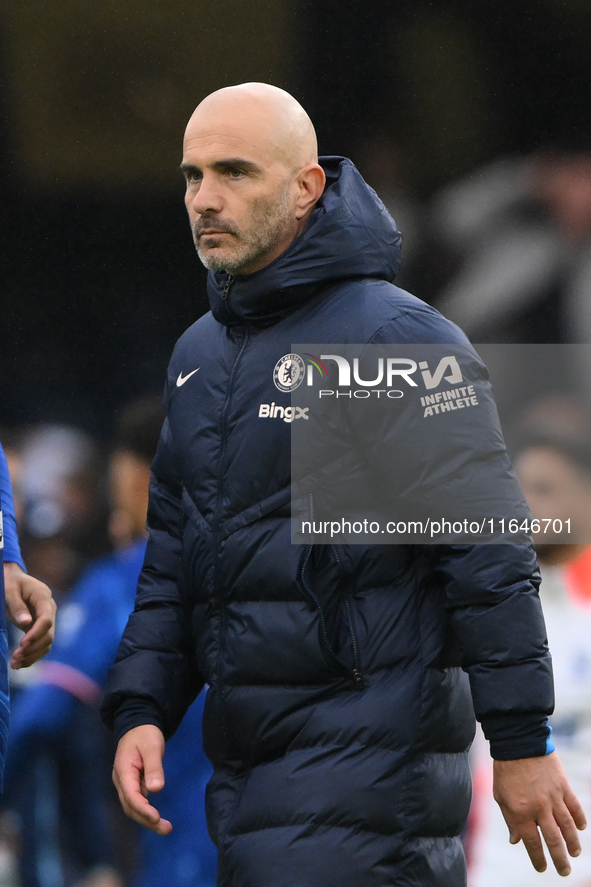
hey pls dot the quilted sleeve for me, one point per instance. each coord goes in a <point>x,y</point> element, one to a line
<point>492,597</point>
<point>431,460</point>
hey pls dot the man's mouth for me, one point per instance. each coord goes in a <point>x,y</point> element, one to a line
<point>208,228</point>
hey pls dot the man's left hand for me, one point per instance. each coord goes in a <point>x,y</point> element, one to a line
<point>29,606</point>
<point>534,796</point>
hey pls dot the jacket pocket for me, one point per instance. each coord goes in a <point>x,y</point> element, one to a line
<point>323,580</point>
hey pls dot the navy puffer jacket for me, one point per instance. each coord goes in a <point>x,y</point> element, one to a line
<point>340,711</point>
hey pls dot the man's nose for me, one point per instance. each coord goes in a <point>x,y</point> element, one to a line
<point>208,199</point>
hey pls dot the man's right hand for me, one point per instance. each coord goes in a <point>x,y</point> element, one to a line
<point>137,771</point>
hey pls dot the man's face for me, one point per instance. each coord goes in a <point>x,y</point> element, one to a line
<point>240,194</point>
<point>129,480</point>
<point>556,489</point>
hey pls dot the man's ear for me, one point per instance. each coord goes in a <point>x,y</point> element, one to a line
<point>311,181</point>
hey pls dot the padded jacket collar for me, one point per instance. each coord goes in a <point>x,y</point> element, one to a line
<point>350,234</point>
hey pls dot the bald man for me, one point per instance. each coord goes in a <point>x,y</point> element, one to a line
<point>338,716</point>
<point>242,228</point>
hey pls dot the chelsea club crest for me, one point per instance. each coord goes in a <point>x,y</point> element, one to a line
<point>289,372</point>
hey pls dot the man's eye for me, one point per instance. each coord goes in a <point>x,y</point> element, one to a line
<point>235,173</point>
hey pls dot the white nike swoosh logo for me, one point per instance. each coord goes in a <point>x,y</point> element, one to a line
<point>182,379</point>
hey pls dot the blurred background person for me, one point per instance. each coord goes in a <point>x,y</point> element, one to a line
<point>553,464</point>
<point>61,480</point>
<point>521,232</point>
<point>58,775</point>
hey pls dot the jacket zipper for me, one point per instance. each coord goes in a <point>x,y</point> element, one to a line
<point>223,613</point>
<point>309,590</point>
<point>227,286</point>
<point>316,602</point>
<point>358,679</point>
<point>223,418</point>
<point>356,672</point>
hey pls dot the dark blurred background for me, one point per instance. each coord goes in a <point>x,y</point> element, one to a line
<point>99,274</point>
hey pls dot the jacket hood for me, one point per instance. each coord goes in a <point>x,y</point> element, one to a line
<point>350,234</point>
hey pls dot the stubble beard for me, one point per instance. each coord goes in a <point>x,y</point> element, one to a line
<point>270,219</point>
